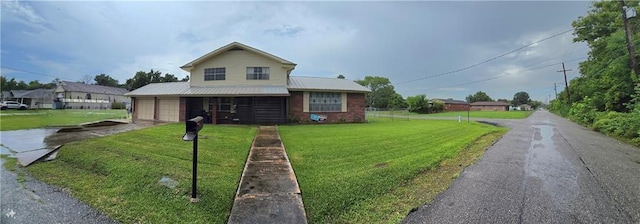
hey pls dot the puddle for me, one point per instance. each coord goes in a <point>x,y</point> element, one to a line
<point>25,140</point>
<point>559,176</point>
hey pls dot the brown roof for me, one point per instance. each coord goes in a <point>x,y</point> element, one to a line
<point>490,103</point>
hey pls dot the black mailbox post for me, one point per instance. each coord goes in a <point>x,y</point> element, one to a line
<point>193,126</point>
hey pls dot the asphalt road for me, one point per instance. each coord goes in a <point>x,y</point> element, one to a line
<point>25,200</point>
<point>544,170</point>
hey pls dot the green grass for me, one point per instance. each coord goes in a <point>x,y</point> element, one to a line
<point>26,119</point>
<point>472,114</point>
<point>119,174</point>
<point>344,168</point>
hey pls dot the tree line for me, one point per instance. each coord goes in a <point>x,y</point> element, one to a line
<point>140,79</point>
<point>383,95</point>
<point>606,95</point>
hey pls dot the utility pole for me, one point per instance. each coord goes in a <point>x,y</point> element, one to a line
<point>566,85</point>
<point>630,48</point>
<point>555,88</point>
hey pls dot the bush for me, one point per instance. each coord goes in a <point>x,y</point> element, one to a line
<point>625,125</point>
<point>118,105</point>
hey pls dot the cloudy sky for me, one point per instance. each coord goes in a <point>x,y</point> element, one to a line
<point>422,47</point>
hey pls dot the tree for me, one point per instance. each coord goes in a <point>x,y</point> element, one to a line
<point>86,79</point>
<point>418,104</point>
<point>381,93</point>
<point>141,79</point>
<point>341,76</point>
<point>105,80</point>
<point>35,84</point>
<point>521,98</point>
<point>169,78</point>
<point>504,100</point>
<point>437,106</point>
<point>397,101</point>
<point>186,78</point>
<point>479,96</point>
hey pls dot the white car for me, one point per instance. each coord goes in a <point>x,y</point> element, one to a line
<point>13,105</point>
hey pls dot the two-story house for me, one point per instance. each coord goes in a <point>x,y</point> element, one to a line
<point>240,84</point>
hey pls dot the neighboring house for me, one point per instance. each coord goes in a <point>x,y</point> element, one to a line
<point>525,107</point>
<point>76,95</point>
<point>240,84</point>
<point>455,105</point>
<point>37,98</point>
<point>490,106</point>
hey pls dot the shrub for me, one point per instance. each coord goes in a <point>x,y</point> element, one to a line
<point>118,105</point>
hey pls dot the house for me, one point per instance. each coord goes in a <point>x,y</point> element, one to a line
<point>525,107</point>
<point>36,98</point>
<point>490,106</point>
<point>455,105</point>
<point>241,84</point>
<point>77,95</point>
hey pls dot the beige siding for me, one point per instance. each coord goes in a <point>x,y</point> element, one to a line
<point>168,109</point>
<point>305,102</point>
<point>145,108</point>
<point>344,102</point>
<point>235,64</point>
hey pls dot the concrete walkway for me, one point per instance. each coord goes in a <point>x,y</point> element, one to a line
<point>268,191</point>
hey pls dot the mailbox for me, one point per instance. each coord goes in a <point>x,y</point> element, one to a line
<point>193,126</point>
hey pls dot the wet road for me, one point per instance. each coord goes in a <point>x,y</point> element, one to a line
<point>544,170</point>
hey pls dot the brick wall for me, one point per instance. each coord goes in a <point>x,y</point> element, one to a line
<point>456,107</point>
<point>355,109</point>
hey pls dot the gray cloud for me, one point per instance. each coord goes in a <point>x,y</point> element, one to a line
<point>400,40</point>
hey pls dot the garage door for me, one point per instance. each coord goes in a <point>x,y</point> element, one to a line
<point>168,109</point>
<point>145,108</point>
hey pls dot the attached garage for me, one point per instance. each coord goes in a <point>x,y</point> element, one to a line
<point>168,109</point>
<point>144,108</point>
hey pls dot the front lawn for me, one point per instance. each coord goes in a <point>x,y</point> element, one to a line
<point>348,173</point>
<point>119,174</point>
<point>455,114</point>
<point>485,114</point>
<point>340,167</point>
<point>26,119</point>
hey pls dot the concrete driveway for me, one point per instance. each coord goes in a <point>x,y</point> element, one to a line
<point>544,170</point>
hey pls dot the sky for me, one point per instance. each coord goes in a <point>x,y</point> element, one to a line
<point>436,48</point>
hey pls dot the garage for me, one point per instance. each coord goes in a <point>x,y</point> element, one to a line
<point>145,108</point>
<point>168,109</point>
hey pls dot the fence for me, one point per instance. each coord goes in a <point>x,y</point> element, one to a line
<point>389,113</point>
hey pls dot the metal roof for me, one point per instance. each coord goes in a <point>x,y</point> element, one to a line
<point>452,101</point>
<point>325,84</point>
<point>88,88</point>
<point>295,84</point>
<point>183,89</point>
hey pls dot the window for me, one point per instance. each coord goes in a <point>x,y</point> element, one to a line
<point>325,102</point>
<point>257,73</point>
<point>214,74</point>
<point>88,96</point>
<point>224,104</point>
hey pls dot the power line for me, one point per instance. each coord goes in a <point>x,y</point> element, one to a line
<point>21,70</point>
<point>488,60</point>
<point>502,76</point>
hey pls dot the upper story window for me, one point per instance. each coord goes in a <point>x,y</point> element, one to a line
<point>214,74</point>
<point>325,102</point>
<point>257,73</point>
